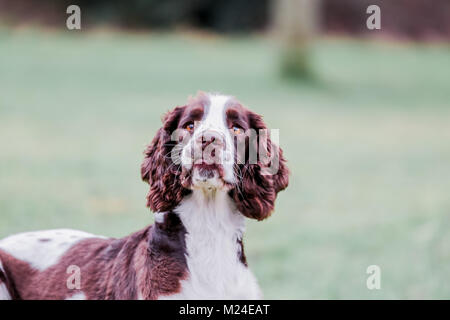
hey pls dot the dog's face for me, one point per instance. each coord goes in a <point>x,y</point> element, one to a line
<point>214,143</point>
<point>206,151</point>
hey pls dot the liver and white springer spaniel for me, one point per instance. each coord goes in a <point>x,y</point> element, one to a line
<point>210,165</point>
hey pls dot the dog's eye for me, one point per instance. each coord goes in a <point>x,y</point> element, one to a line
<point>189,127</point>
<point>237,130</point>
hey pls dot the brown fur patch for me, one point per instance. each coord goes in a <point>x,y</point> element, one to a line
<point>146,264</point>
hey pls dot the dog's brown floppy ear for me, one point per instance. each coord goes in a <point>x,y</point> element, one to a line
<point>256,193</point>
<point>166,190</point>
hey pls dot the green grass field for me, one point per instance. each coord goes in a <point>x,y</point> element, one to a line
<point>368,145</point>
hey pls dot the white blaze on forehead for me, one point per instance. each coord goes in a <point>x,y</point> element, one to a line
<point>214,119</point>
<point>215,113</point>
<point>42,249</point>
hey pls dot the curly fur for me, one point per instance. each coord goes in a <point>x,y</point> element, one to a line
<point>166,179</point>
<point>255,193</point>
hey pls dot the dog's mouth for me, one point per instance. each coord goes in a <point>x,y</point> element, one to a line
<point>208,171</point>
<point>207,177</point>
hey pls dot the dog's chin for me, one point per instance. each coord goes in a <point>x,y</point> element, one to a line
<point>209,177</point>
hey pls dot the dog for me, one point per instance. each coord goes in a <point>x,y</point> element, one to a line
<point>202,187</point>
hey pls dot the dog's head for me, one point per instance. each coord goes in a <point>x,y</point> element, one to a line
<point>214,143</point>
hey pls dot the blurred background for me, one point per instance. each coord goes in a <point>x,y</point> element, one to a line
<point>363,116</point>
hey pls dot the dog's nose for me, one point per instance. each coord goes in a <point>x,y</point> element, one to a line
<point>208,137</point>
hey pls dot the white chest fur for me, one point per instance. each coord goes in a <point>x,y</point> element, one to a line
<point>215,272</point>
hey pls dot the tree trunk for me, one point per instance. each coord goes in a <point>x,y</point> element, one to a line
<point>296,24</point>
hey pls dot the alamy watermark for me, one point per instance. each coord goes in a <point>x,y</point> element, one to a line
<point>73,281</point>
<point>73,21</point>
<point>373,281</point>
<point>373,22</point>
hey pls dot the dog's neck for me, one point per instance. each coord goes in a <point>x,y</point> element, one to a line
<point>211,213</point>
<point>213,253</point>
<point>213,241</point>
